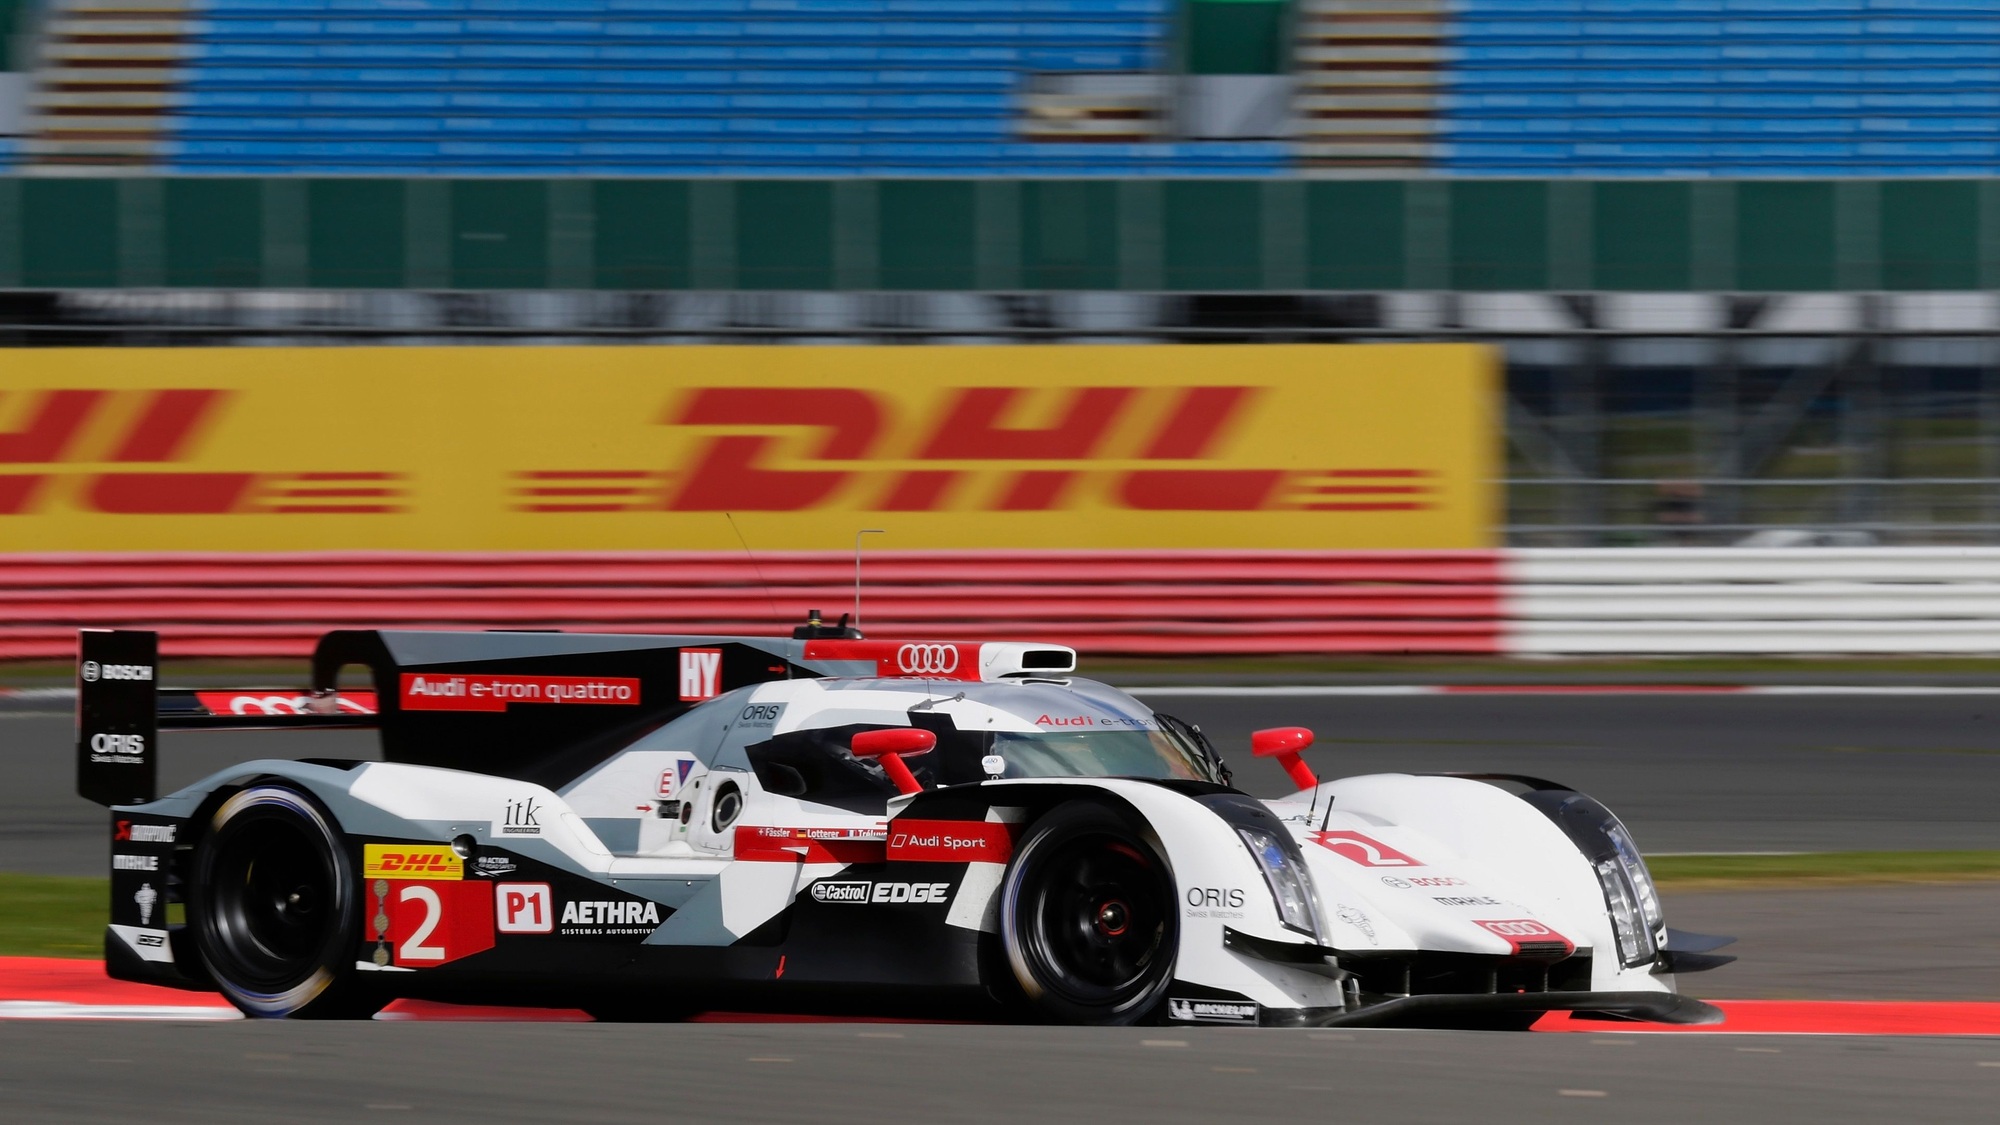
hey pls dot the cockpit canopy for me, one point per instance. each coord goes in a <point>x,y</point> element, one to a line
<point>795,735</point>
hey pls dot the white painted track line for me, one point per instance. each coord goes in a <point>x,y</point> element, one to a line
<point>60,1010</point>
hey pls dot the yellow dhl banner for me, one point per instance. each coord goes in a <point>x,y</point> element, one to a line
<point>647,448</point>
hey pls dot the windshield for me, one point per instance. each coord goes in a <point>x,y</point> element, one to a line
<point>1122,753</point>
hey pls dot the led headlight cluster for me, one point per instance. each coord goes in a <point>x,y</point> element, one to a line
<point>1290,887</point>
<point>1631,898</point>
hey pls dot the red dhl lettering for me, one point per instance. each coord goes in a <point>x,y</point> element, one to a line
<point>402,861</point>
<point>52,427</point>
<point>849,438</point>
<point>842,436</point>
<point>416,861</point>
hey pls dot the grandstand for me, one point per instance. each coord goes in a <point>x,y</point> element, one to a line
<point>664,87</point>
<point>1723,88</point>
<point>747,88</point>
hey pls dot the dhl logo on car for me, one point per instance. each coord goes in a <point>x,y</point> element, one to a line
<point>129,453</point>
<point>410,861</point>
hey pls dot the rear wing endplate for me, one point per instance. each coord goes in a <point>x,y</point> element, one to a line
<point>117,727</point>
<point>121,709</point>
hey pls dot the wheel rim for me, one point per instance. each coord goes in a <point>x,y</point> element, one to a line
<point>273,902</point>
<point>1097,920</point>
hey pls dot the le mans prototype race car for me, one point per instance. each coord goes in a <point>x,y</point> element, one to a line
<point>647,827</point>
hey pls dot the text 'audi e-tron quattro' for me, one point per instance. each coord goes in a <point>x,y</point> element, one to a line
<point>647,827</point>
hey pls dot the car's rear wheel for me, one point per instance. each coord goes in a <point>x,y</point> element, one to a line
<point>1088,918</point>
<point>275,908</point>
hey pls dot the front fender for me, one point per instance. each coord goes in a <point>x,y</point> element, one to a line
<point>1219,884</point>
<point>1460,839</point>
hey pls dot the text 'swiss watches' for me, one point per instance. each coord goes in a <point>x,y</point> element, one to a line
<point>651,826</point>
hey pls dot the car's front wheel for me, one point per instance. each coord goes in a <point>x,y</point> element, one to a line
<point>275,908</point>
<point>1088,918</point>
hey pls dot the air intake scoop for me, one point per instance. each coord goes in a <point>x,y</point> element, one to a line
<point>944,660</point>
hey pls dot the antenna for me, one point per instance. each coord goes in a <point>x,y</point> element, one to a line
<point>777,615</point>
<point>857,571</point>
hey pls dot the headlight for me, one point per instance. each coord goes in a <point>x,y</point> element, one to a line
<point>1642,879</point>
<point>1630,898</point>
<point>1290,888</point>
<point>1628,918</point>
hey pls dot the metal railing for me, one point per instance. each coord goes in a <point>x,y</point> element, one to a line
<point>1832,511</point>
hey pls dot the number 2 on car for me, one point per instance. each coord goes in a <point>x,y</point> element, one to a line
<point>432,922</point>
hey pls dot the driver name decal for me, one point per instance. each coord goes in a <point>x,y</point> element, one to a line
<point>762,843</point>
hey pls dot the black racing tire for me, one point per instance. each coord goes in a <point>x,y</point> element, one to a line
<point>1089,919</point>
<point>276,908</point>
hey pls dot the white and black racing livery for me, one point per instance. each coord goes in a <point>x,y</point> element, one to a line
<point>650,827</point>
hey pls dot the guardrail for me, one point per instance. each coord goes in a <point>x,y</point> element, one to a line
<point>1523,602</point>
<point>1714,512</point>
<point>1740,600</point>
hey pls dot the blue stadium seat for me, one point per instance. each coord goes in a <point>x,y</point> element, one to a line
<point>745,87</point>
<point>683,87</point>
<point>1723,87</point>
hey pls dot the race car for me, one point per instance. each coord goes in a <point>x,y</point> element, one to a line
<point>649,827</point>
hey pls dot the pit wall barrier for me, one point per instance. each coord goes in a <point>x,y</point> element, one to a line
<point>1511,602</point>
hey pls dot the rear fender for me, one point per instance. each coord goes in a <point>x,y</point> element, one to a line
<point>383,800</point>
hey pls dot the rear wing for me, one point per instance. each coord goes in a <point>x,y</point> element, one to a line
<point>121,710</point>
<point>540,707</point>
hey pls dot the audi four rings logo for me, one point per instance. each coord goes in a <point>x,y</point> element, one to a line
<point>1519,927</point>
<point>931,659</point>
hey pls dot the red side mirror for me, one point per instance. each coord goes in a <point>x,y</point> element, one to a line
<point>1284,744</point>
<point>889,746</point>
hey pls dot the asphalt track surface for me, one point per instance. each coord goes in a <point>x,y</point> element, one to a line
<point>1687,773</point>
<point>828,1074</point>
<point>1695,773</point>
<point>1905,942</point>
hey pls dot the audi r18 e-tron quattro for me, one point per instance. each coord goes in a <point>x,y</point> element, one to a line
<point>647,827</point>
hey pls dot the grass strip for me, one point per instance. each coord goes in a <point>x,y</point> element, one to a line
<point>1703,872</point>
<point>53,915</point>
